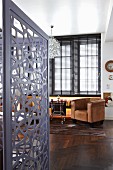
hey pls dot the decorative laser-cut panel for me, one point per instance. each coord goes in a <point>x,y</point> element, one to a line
<point>1,93</point>
<point>29,97</point>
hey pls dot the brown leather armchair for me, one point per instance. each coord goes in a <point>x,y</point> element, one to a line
<point>88,111</point>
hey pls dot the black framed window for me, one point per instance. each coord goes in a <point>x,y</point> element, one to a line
<point>77,70</point>
<point>89,66</point>
<point>62,70</point>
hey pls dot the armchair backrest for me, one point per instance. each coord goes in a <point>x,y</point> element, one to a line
<point>80,104</point>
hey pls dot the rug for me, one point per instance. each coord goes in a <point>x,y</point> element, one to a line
<point>69,128</point>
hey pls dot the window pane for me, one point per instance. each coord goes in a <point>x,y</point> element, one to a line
<point>57,62</point>
<point>83,85</point>
<point>65,62</point>
<point>66,85</point>
<point>57,85</point>
<point>82,49</point>
<point>57,74</point>
<point>83,73</point>
<point>88,85</point>
<point>67,50</point>
<point>92,85</point>
<point>94,49</point>
<point>92,73</point>
<point>83,61</point>
<point>65,74</point>
<point>63,51</point>
<point>89,49</point>
<point>92,61</point>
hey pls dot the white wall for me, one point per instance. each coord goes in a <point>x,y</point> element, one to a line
<point>106,84</point>
<point>106,54</point>
<point>109,23</point>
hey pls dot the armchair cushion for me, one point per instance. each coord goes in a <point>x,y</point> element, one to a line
<point>81,115</point>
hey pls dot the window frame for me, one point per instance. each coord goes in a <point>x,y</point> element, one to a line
<point>72,40</point>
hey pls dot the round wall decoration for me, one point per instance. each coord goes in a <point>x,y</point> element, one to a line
<point>109,66</point>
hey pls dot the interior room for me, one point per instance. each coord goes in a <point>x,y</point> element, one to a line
<point>72,18</point>
<point>56,107</point>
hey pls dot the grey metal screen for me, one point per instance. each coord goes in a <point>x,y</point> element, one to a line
<point>1,95</point>
<point>28,93</point>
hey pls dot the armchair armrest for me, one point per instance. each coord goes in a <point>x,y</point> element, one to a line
<point>96,110</point>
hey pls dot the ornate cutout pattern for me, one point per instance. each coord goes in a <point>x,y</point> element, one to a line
<point>1,94</point>
<point>29,97</point>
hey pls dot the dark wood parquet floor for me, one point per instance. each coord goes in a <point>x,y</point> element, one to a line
<point>69,152</point>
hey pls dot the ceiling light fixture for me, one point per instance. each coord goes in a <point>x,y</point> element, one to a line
<point>54,46</point>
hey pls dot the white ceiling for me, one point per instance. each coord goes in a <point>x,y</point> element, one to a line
<point>69,17</point>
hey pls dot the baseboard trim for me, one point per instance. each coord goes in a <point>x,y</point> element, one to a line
<point>108,118</point>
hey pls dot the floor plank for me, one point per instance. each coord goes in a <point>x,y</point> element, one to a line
<point>71,152</point>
